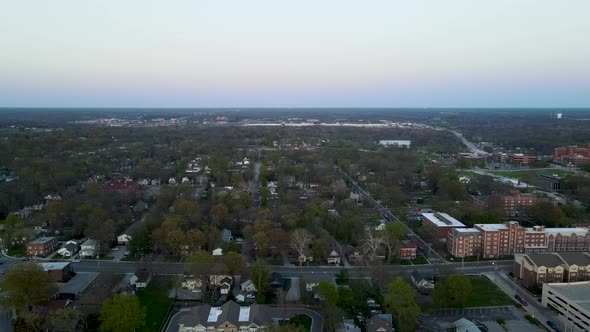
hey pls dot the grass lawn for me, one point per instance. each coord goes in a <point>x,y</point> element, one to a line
<point>155,299</point>
<point>486,294</point>
<point>419,260</point>
<point>17,252</point>
<point>301,320</point>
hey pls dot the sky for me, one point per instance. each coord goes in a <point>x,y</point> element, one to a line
<point>297,53</point>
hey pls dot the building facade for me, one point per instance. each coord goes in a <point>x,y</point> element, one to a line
<point>536,268</point>
<point>572,155</point>
<point>42,246</point>
<point>408,250</point>
<point>513,205</point>
<point>507,239</point>
<point>571,301</point>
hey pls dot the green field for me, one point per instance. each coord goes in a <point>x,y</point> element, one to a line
<point>301,320</point>
<point>486,294</point>
<point>155,299</point>
<point>419,260</point>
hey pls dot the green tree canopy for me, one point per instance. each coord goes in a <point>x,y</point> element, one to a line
<point>453,292</point>
<point>401,300</point>
<point>27,285</point>
<point>234,263</point>
<point>328,292</point>
<point>122,313</point>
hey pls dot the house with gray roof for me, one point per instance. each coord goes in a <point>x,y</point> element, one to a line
<point>229,317</point>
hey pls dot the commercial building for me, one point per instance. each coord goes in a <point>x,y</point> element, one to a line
<point>572,301</point>
<point>497,240</point>
<point>42,246</point>
<point>230,317</point>
<point>572,155</point>
<point>57,270</point>
<point>440,224</point>
<point>396,142</point>
<point>536,268</point>
<point>519,158</point>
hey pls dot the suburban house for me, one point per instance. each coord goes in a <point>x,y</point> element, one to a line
<point>312,281</point>
<point>380,323</point>
<point>217,252</point>
<point>141,279</point>
<point>421,282</point>
<point>226,235</point>
<point>69,249</point>
<point>334,258</point>
<point>348,325</point>
<point>248,286</point>
<point>191,282</point>
<point>355,257</point>
<point>225,286</point>
<point>229,317</point>
<point>276,280</point>
<point>89,248</point>
<point>128,233</point>
<point>42,246</point>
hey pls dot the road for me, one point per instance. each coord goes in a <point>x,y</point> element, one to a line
<point>534,307</point>
<point>470,146</point>
<point>294,271</point>
<point>390,217</point>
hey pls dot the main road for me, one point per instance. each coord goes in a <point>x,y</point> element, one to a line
<point>294,271</point>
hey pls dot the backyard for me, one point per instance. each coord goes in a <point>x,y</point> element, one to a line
<point>155,299</point>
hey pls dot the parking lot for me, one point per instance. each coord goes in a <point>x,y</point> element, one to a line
<point>507,313</point>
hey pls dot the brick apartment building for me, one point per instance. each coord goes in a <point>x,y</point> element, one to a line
<point>440,224</point>
<point>42,246</point>
<point>497,240</point>
<point>572,155</point>
<point>513,204</point>
<point>519,158</point>
<point>536,268</point>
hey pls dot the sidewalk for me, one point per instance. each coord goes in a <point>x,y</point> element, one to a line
<point>534,307</point>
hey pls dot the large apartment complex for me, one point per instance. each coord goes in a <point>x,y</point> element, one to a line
<point>514,204</point>
<point>572,155</point>
<point>440,224</point>
<point>496,240</point>
<point>536,269</point>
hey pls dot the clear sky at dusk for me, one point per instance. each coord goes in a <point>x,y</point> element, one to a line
<point>277,53</point>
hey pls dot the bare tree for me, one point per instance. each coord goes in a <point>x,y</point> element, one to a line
<point>373,243</point>
<point>300,240</point>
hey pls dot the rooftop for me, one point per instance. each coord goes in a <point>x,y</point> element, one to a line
<point>568,231</point>
<point>547,260</point>
<point>42,240</point>
<point>466,230</point>
<point>54,265</point>
<point>577,292</point>
<point>491,227</point>
<point>442,220</point>
<point>577,258</point>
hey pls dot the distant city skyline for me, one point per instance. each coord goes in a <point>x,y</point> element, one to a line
<point>279,53</point>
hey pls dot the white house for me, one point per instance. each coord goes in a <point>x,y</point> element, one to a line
<point>334,258</point>
<point>225,286</point>
<point>140,279</point>
<point>69,249</point>
<point>89,248</point>
<point>248,286</point>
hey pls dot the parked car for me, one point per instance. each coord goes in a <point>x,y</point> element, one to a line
<point>26,259</point>
<point>552,325</point>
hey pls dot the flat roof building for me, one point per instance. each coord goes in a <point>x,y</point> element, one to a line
<point>439,224</point>
<point>572,301</point>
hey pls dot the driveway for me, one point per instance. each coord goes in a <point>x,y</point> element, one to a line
<point>118,253</point>
<point>294,293</point>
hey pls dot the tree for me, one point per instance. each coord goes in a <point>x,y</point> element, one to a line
<point>300,240</point>
<point>200,264</point>
<point>122,313</point>
<point>328,292</point>
<point>401,300</point>
<point>65,317</point>
<point>141,243</point>
<point>260,275</point>
<point>27,285</point>
<point>218,214</point>
<point>373,243</point>
<point>56,212</point>
<point>453,292</point>
<point>343,276</point>
<point>394,232</point>
<point>195,239</point>
<point>547,214</point>
<point>234,263</point>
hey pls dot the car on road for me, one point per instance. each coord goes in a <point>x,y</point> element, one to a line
<point>26,259</point>
<point>115,249</point>
<point>553,325</point>
<point>520,299</point>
